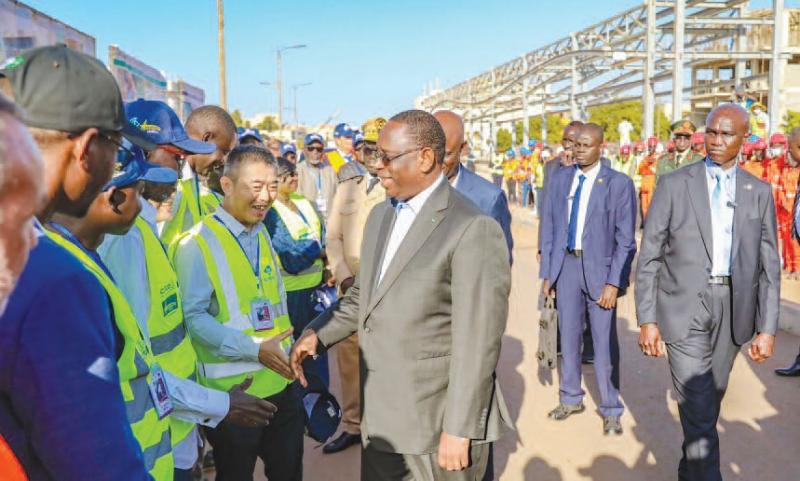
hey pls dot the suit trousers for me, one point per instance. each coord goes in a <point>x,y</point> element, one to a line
<point>279,445</point>
<point>384,466</point>
<point>347,355</point>
<point>700,365</point>
<point>574,305</point>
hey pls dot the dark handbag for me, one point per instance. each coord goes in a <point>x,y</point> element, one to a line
<point>548,332</point>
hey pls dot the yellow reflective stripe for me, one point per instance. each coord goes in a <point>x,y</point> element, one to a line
<point>237,320</point>
<point>225,369</point>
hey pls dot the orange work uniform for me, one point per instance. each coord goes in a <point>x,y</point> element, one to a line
<point>791,247</point>
<point>647,170</point>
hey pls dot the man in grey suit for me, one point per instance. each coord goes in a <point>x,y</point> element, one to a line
<point>429,305</point>
<point>708,279</point>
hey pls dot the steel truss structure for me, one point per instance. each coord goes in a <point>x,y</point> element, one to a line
<point>632,55</point>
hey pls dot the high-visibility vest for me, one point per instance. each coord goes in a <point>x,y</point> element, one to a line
<point>196,201</point>
<point>170,343</point>
<point>235,287</point>
<point>300,228</point>
<point>336,160</point>
<point>496,167</point>
<point>134,365</point>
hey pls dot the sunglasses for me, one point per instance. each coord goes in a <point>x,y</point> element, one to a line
<point>314,149</point>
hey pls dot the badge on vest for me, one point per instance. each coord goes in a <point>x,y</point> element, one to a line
<point>170,304</point>
<point>160,393</point>
<point>261,315</point>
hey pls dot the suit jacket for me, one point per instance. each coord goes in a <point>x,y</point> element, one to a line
<point>346,220</point>
<point>676,252</point>
<point>608,233</point>
<point>489,198</point>
<point>430,332</point>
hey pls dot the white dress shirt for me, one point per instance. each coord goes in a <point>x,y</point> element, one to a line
<point>721,222</point>
<point>586,191</point>
<point>125,258</point>
<point>406,213</point>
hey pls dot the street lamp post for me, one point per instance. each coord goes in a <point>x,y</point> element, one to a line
<point>294,94</point>
<point>279,78</point>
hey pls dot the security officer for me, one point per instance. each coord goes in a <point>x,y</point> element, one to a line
<point>343,154</point>
<point>233,294</point>
<point>143,382</point>
<point>139,264</point>
<point>358,192</point>
<point>199,192</point>
<point>682,132</point>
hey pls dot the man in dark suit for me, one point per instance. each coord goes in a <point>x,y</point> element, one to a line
<point>708,279</point>
<point>429,305</point>
<point>588,245</point>
<point>488,197</point>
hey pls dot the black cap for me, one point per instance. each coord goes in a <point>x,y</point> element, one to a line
<point>61,89</point>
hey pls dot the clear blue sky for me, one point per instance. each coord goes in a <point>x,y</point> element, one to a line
<point>365,58</point>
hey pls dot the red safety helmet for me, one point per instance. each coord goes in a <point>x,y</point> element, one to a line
<point>638,146</point>
<point>779,138</point>
<point>747,149</point>
<point>652,141</point>
<point>671,146</point>
<point>625,149</point>
<point>698,138</point>
<point>760,145</point>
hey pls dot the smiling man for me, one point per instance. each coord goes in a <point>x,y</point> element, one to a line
<point>710,233</point>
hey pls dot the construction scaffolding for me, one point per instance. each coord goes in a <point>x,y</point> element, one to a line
<point>660,49</point>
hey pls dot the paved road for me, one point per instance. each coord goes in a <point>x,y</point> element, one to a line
<point>760,424</point>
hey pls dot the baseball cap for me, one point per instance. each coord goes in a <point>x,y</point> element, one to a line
<point>61,89</point>
<point>314,137</point>
<point>532,143</point>
<point>510,153</point>
<point>132,166</point>
<point>161,125</point>
<point>342,130</point>
<point>358,138</point>
<point>286,148</point>
<point>242,133</point>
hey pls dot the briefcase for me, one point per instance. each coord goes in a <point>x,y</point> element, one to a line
<point>548,332</point>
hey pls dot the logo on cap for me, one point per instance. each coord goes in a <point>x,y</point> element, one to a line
<point>144,126</point>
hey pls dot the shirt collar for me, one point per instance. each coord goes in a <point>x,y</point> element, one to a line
<point>592,173</point>
<point>714,170</point>
<point>149,213</point>
<point>234,225</point>
<point>416,202</point>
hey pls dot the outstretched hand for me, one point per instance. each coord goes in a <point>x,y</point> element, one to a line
<point>302,348</point>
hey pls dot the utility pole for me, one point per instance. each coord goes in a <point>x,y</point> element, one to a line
<point>777,64</point>
<point>279,79</point>
<point>649,68</point>
<point>677,64</point>
<point>223,91</point>
<point>294,92</point>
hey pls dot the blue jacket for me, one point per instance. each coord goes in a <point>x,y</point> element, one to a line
<point>608,235</point>
<point>61,408</point>
<point>490,199</point>
<point>295,255</point>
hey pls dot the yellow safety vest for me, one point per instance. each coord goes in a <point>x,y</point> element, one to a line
<point>170,343</point>
<point>235,287</point>
<point>301,229</point>
<point>196,201</point>
<point>134,365</point>
<point>336,160</point>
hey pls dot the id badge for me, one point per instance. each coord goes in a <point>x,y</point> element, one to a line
<point>260,315</point>
<point>322,204</point>
<point>160,393</point>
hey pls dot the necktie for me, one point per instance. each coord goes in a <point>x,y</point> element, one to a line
<point>573,214</point>
<point>373,181</point>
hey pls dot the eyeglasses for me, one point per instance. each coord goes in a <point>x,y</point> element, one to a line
<point>370,152</point>
<point>124,154</point>
<point>314,149</point>
<point>180,155</point>
<point>386,160</point>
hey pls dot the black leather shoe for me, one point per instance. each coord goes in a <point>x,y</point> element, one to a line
<point>344,441</point>
<point>791,371</point>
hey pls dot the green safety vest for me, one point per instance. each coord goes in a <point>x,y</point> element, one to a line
<point>196,201</point>
<point>235,287</point>
<point>496,166</point>
<point>134,367</point>
<point>170,343</point>
<point>301,229</point>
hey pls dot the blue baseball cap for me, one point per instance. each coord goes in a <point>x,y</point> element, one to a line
<point>311,138</point>
<point>132,166</point>
<point>358,138</point>
<point>242,132</point>
<point>286,148</point>
<point>342,130</point>
<point>162,126</point>
<point>532,143</point>
<point>525,151</point>
<point>510,153</point>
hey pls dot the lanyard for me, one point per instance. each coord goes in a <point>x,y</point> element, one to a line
<point>197,195</point>
<point>66,234</point>
<point>319,182</point>
<point>257,268</point>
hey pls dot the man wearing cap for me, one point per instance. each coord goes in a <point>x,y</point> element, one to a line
<point>343,136</point>
<point>624,161</point>
<point>682,132</point>
<point>316,180</point>
<point>759,120</point>
<point>359,190</point>
<point>47,401</point>
<point>510,167</point>
<point>250,137</point>
<point>199,192</point>
<point>234,305</point>
<point>141,270</point>
<point>289,152</point>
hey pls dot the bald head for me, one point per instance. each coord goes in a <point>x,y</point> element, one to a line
<point>588,145</point>
<point>453,127</point>
<point>727,126</point>
<point>212,124</point>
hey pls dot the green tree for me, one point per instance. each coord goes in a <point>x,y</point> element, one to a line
<point>519,133</point>
<point>791,121</point>
<point>268,123</point>
<point>237,118</point>
<point>503,140</point>
<point>555,127</point>
<point>609,116</point>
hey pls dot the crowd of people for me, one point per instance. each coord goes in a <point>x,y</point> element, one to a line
<point>171,288</point>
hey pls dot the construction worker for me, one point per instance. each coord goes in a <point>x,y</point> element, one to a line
<point>647,170</point>
<point>788,200</point>
<point>699,144</point>
<point>776,155</point>
<point>138,259</point>
<point>235,309</point>
<point>510,167</point>
<point>756,161</point>
<point>624,161</point>
<point>521,175</point>
<point>759,120</point>
<point>142,379</point>
<point>682,132</point>
<point>496,168</point>
<point>343,153</point>
<point>199,192</point>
